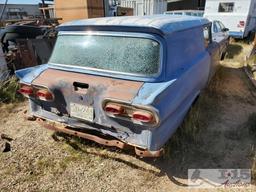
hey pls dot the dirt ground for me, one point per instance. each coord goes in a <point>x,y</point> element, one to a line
<point>40,160</point>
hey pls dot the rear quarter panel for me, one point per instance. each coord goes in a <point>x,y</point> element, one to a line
<point>185,79</point>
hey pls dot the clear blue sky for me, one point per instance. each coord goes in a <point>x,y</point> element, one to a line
<point>21,1</point>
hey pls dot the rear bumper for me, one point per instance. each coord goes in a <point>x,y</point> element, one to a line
<point>100,140</point>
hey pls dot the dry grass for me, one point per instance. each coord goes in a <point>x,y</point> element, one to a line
<point>197,119</point>
<point>254,170</point>
<point>251,61</point>
<point>237,53</point>
<point>8,91</point>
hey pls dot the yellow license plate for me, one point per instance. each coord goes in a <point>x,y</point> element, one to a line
<point>81,111</point>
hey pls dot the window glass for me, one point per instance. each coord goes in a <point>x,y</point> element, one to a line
<point>216,27</point>
<point>221,25</point>
<point>226,7</point>
<point>112,53</point>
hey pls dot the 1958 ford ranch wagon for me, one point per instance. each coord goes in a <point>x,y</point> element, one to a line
<point>132,79</point>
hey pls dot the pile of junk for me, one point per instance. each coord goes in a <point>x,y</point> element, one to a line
<point>28,43</point>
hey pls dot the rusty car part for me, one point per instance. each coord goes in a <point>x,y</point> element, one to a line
<point>111,143</point>
<point>146,153</point>
<point>34,51</point>
<point>26,46</point>
<point>64,129</point>
<point>116,88</point>
<point>29,53</point>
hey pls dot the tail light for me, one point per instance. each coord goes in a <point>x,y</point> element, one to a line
<point>142,116</point>
<point>26,90</point>
<point>39,93</point>
<point>114,109</point>
<point>241,24</point>
<point>135,114</point>
<point>44,95</point>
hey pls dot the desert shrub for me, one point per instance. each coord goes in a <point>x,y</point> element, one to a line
<point>8,91</point>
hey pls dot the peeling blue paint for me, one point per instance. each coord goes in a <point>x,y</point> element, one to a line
<point>149,91</point>
<point>29,74</point>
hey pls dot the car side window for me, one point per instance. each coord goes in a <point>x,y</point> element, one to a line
<point>207,35</point>
<point>221,25</point>
<point>216,27</point>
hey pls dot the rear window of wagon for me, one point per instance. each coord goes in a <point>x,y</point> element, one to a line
<point>124,54</point>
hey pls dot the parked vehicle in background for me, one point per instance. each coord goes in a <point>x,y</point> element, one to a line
<point>27,44</point>
<point>131,78</point>
<point>196,13</point>
<point>220,34</point>
<point>239,16</point>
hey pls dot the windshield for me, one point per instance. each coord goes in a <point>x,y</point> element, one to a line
<point>113,53</point>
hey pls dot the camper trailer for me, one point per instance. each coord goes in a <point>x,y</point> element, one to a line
<point>239,16</point>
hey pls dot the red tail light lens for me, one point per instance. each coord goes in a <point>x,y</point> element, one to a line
<point>26,90</point>
<point>134,114</point>
<point>142,116</point>
<point>44,95</point>
<point>241,23</point>
<point>114,109</point>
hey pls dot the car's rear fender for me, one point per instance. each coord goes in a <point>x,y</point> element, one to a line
<point>174,98</point>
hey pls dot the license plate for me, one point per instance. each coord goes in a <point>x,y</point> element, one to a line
<point>81,111</point>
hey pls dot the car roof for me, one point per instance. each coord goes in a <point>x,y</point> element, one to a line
<point>163,23</point>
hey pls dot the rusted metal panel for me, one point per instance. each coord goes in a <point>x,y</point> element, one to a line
<point>25,54</point>
<point>63,129</point>
<point>112,88</point>
<point>98,139</point>
<point>33,52</point>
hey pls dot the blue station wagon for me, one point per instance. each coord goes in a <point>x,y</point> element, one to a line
<point>122,81</point>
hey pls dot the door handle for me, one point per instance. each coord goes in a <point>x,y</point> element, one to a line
<point>79,85</point>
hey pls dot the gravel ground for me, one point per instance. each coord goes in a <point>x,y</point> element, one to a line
<point>40,160</point>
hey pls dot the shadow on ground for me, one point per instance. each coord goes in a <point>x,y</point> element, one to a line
<point>217,138</point>
<point>233,50</point>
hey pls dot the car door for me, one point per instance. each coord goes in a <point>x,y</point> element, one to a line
<point>225,36</point>
<point>220,36</point>
<point>212,47</point>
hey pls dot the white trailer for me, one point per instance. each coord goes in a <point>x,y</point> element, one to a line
<point>239,16</point>
<point>145,7</point>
